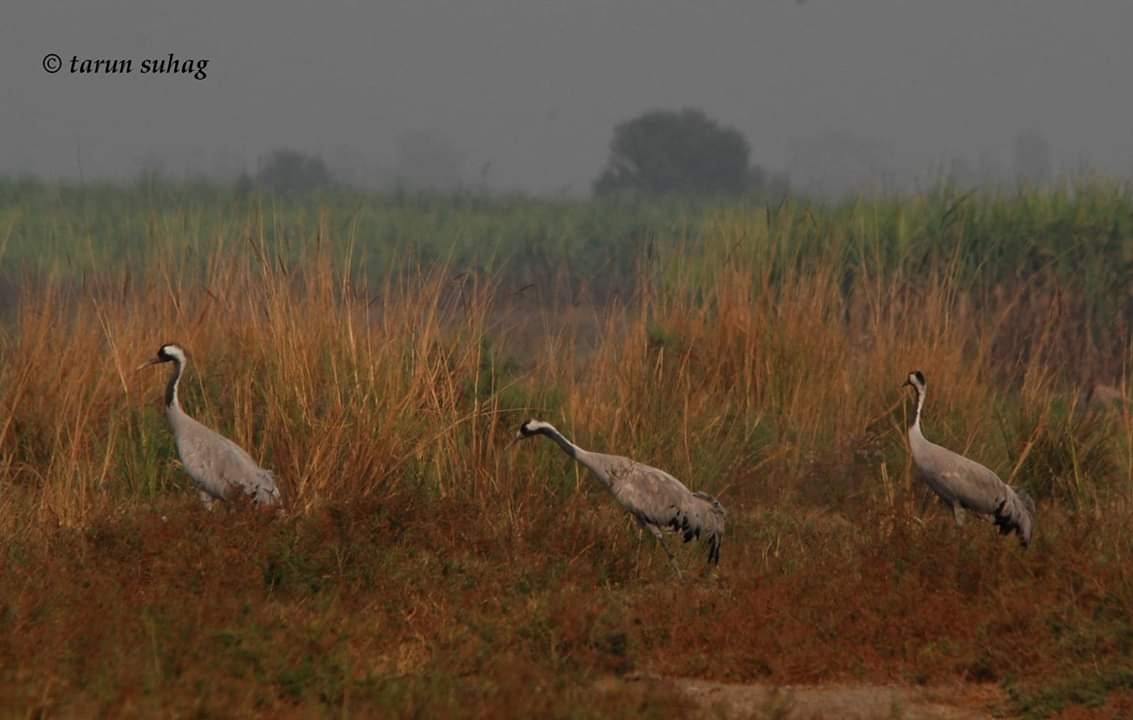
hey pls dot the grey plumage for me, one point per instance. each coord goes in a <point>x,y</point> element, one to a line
<point>656,499</point>
<point>965,484</point>
<point>216,464</point>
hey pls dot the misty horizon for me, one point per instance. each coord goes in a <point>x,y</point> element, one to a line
<point>524,96</point>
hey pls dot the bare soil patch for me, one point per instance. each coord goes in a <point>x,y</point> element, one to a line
<point>836,701</point>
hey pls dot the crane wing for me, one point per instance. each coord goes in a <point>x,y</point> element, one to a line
<point>978,488</point>
<point>217,464</point>
<point>656,498</point>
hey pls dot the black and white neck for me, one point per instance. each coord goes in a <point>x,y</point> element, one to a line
<point>538,427</point>
<point>589,460</point>
<point>917,380</point>
<point>174,354</point>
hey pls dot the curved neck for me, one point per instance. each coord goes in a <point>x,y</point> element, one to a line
<point>171,400</point>
<point>583,457</point>
<point>920,404</point>
<point>568,447</point>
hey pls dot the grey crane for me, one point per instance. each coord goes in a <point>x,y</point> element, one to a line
<point>216,464</point>
<point>965,484</point>
<point>656,499</point>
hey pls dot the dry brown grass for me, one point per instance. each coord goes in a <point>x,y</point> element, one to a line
<point>421,569</point>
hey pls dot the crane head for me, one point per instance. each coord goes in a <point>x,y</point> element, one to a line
<point>527,429</point>
<point>916,380</point>
<point>531,428</point>
<point>170,352</point>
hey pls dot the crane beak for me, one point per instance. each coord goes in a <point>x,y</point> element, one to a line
<point>146,364</point>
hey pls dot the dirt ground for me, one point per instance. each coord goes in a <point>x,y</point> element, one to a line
<point>835,702</point>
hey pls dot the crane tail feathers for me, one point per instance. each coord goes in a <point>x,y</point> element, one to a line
<point>1016,513</point>
<point>710,517</point>
<point>693,516</point>
<point>714,549</point>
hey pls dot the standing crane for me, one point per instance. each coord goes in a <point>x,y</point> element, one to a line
<point>216,464</point>
<point>654,498</point>
<point>965,484</point>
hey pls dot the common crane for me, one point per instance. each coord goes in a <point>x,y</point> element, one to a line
<point>965,484</point>
<point>215,463</point>
<point>656,499</point>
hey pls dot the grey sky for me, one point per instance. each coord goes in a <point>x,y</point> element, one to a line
<point>535,86</point>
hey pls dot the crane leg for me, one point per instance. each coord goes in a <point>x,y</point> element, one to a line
<point>637,555</point>
<point>661,541</point>
<point>958,513</point>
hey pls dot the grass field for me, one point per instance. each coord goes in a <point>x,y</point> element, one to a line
<point>379,355</point>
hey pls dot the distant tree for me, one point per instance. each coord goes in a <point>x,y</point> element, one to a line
<point>243,185</point>
<point>290,172</point>
<point>664,152</point>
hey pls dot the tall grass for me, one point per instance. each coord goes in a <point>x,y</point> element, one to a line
<point>423,566</point>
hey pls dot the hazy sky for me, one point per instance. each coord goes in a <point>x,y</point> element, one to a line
<point>535,86</point>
